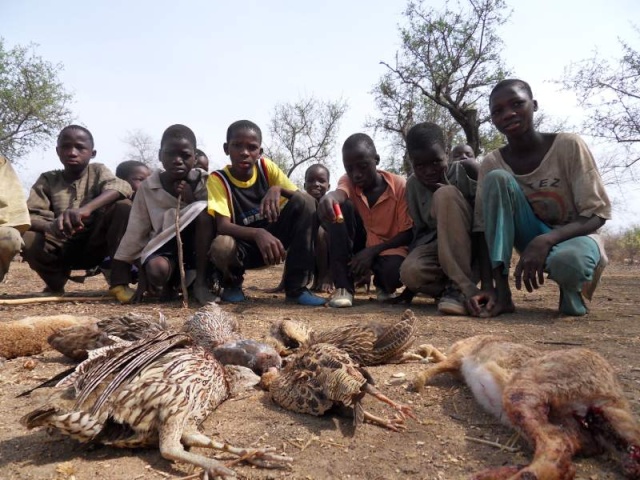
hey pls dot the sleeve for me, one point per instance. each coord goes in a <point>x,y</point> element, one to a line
<point>589,195</point>
<point>405,222</point>
<point>277,177</point>
<point>138,231</point>
<point>108,181</point>
<point>39,201</point>
<point>218,196</point>
<point>345,184</point>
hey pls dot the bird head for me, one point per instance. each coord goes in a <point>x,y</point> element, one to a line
<point>211,326</point>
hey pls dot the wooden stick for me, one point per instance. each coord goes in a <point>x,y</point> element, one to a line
<point>25,301</point>
<point>183,280</point>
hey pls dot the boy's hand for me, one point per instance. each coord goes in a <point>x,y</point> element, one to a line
<point>270,205</point>
<point>326,213</point>
<point>362,261</point>
<point>271,248</point>
<point>482,303</point>
<point>69,222</point>
<point>182,187</point>
<point>530,268</point>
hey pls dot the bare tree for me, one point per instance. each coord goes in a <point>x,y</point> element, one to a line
<point>610,92</point>
<point>453,59</point>
<point>401,106</point>
<point>304,131</point>
<point>34,105</point>
<point>141,147</point>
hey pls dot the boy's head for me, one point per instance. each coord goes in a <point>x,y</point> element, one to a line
<point>75,148</point>
<point>243,145</point>
<point>462,152</point>
<point>360,160</point>
<point>511,105</point>
<point>177,151</point>
<point>427,153</point>
<point>316,180</point>
<point>202,161</point>
<point>133,172</point>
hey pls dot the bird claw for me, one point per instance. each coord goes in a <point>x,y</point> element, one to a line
<point>405,411</point>
<point>396,424</point>
<point>263,458</point>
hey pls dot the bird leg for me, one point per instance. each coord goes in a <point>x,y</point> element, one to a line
<point>260,457</point>
<point>403,410</point>
<point>396,423</point>
<point>442,365</point>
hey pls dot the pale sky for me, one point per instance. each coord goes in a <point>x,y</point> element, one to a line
<point>149,64</point>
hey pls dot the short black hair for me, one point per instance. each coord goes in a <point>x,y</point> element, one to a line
<point>178,131</point>
<point>508,82</point>
<point>76,127</point>
<point>357,139</point>
<point>200,153</point>
<point>124,169</point>
<point>243,125</point>
<point>425,134</point>
<point>317,166</point>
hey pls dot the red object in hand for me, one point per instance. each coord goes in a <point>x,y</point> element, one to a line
<point>338,212</point>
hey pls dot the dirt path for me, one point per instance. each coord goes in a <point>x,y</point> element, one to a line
<point>435,448</point>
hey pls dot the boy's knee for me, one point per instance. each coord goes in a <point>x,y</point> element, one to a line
<point>10,240</point>
<point>223,249</point>
<point>302,202</point>
<point>33,243</point>
<point>410,275</point>
<point>498,177</point>
<point>571,265</point>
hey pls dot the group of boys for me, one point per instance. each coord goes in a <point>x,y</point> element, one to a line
<point>415,232</point>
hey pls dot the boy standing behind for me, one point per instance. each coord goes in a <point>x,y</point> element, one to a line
<point>377,227</point>
<point>78,214</point>
<point>440,197</point>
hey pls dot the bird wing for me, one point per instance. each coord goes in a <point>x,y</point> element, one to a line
<point>356,340</point>
<point>126,362</point>
<point>134,326</point>
<point>395,339</point>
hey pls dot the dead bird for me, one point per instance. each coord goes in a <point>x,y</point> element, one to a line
<point>154,391</point>
<point>366,343</point>
<point>320,377</point>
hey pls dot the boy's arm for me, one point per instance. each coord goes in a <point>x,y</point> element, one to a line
<point>363,260</point>
<point>39,205</point>
<point>471,167</point>
<point>326,213</point>
<point>72,219</point>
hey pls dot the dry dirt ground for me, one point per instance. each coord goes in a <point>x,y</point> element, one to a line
<point>436,447</point>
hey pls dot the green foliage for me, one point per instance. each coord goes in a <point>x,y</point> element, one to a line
<point>624,246</point>
<point>33,102</point>
<point>451,59</point>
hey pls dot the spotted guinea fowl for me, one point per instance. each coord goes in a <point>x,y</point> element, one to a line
<point>563,402</point>
<point>320,377</point>
<point>366,343</point>
<point>154,391</point>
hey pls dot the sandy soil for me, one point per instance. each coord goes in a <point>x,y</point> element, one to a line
<point>436,447</point>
